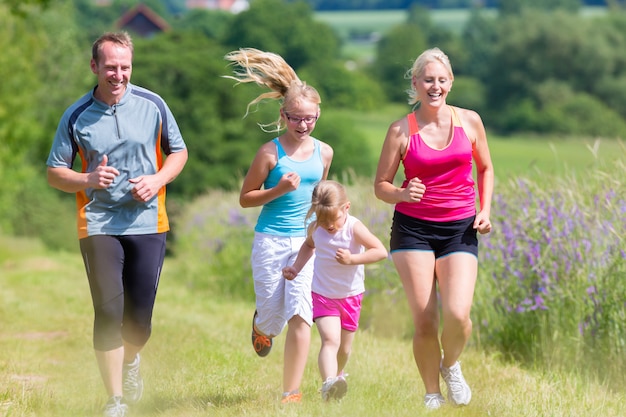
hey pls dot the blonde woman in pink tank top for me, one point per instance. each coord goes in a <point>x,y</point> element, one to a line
<point>434,244</point>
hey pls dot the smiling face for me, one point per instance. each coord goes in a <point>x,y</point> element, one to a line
<point>433,84</point>
<point>113,69</point>
<point>300,117</point>
<point>431,66</point>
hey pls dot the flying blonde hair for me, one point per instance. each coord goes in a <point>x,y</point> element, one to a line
<point>270,70</point>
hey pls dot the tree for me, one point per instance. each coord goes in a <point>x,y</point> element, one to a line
<point>213,24</point>
<point>515,7</point>
<point>23,7</point>
<point>478,38</point>
<point>41,74</point>
<point>612,88</point>
<point>352,154</point>
<point>340,87</point>
<point>186,69</point>
<point>540,50</point>
<point>393,59</point>
<point>288,30</point>
<point>538,46</point>
<point>398,49</point>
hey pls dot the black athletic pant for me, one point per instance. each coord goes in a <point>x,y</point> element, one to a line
<point>123,273</point>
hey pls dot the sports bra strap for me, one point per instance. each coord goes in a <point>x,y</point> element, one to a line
<point>455,117</point>
<point>413,126</point>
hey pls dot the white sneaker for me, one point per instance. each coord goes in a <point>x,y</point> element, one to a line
<point>433,401</point>
<point>459,393</point>
<point>334,388</point>
<point>115,408</point>
<point>132,381</point>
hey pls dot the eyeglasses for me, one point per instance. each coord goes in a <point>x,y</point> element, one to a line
<point>297,120</point>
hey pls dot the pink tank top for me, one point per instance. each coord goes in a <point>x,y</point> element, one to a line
<point>446,173</point>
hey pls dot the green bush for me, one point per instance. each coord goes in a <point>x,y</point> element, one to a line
<point>214,235</point>
<point>30,208</point>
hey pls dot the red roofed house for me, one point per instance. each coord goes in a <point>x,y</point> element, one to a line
<point>234,6</point>
<point>143,21</point>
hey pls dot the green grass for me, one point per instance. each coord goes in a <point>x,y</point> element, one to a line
<point>199,361</point>
<point>537,156</point>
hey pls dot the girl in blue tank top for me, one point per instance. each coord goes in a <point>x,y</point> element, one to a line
<point>281,179</point>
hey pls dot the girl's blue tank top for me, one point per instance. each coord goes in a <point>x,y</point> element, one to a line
<point>285,215</point>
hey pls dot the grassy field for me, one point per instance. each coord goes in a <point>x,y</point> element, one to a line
<point>347,23</point>
<point>200,362</point>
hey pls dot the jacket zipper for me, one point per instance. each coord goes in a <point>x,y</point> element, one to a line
<point>117,124</point>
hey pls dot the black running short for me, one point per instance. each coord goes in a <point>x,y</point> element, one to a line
<point>442,238</point>
<point>123,273</point>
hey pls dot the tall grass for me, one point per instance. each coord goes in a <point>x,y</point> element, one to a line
<point>551,290</point>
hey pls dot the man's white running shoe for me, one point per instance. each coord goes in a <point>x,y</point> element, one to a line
<point>132,381</point>
<point>459,393</point>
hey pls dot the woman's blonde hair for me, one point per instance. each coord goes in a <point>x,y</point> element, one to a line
<point>425,58</point>
<point>270,70</point>
<point>328,198</point>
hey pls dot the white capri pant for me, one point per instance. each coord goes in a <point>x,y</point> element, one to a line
<point>278,299</point>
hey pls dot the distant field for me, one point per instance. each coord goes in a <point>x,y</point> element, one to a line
<point>346,23</point>
<point>360,30</point>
